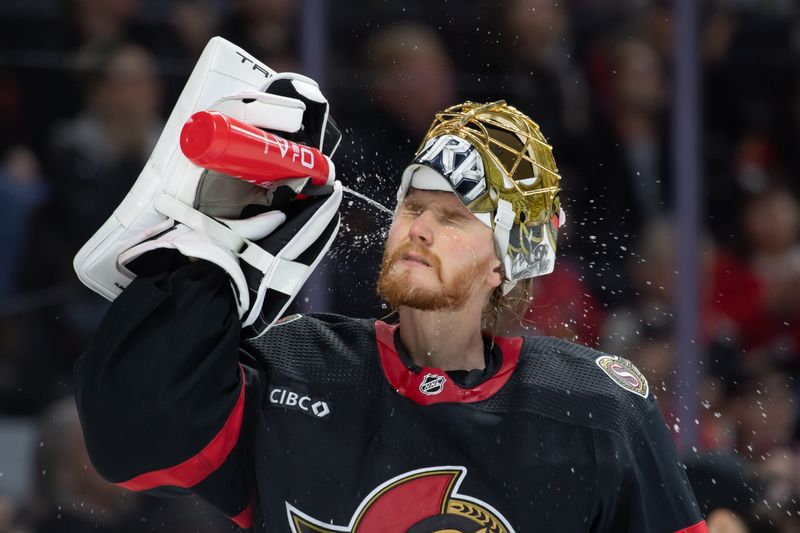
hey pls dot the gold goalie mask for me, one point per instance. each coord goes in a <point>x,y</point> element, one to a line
<point>496,160</point>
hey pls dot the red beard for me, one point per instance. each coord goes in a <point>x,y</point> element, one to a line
<point>395,285</point>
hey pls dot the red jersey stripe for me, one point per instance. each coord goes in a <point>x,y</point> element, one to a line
<point>197,468</point>
<point>699,527</point>
<point>412,384</point>
<point>244,519</point>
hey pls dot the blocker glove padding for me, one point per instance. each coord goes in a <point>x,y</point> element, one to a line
<point>274,261</point>
<point>268,257</point>
<point>317,128</point>
<point>275,110</point>
<point>268,240</point>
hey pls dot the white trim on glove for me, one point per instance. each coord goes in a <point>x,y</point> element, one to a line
<point>269,111</point>
<point>194,244</point>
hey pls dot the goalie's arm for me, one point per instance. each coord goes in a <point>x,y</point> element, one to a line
<point>165,403</point>
<point>642,486</point>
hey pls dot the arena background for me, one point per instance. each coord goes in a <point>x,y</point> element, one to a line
<point>675,126</point>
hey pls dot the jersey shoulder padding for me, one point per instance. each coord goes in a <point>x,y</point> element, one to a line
<point>323,348</point>
<point>578,385</point>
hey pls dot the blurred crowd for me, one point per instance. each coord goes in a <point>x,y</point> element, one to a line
<point>85,88</point>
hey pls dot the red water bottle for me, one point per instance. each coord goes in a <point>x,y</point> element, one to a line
<point>229,146</point>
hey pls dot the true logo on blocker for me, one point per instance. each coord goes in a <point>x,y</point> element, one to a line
<point>297,401</point>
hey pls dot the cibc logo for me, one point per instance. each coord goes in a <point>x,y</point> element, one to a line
<point>294,401</point>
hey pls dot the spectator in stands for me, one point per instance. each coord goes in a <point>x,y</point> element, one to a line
<point>771,226</point>
<point>413,78</point>
<point>93,160</point>
<point>626,173</point>
<point>195,22</point>
<point>729,316</point>
<point>80,37</point>
<point>765,409</point>
<point>97,155</point>
<point>267,29</point>
<point>22,190</point>
<point>540,74</point>
<point>564,306</point>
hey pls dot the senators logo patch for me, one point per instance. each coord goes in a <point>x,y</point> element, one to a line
<point>624,374</point>
<point>420,501</point>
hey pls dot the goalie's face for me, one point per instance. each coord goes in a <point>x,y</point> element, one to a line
<point>438,255</point>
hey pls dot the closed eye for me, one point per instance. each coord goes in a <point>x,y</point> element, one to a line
<point>411,208</point>
<point>444,216</point>
<point>456,217</point>
<point>409,211</point>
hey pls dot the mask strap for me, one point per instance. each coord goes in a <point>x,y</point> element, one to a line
<point>503,222</point>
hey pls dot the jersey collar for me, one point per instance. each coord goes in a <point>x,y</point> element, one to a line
<point>432,385</point>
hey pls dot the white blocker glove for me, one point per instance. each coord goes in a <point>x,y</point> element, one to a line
<point>267,240</point>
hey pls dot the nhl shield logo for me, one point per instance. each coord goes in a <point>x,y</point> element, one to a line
<point>432,384</point>
<point>624,374</point>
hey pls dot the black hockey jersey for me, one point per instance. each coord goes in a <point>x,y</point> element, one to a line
<point>324,425</point>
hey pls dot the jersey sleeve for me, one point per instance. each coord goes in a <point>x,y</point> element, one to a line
<point>167,405</point>
<point>642,485</point>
